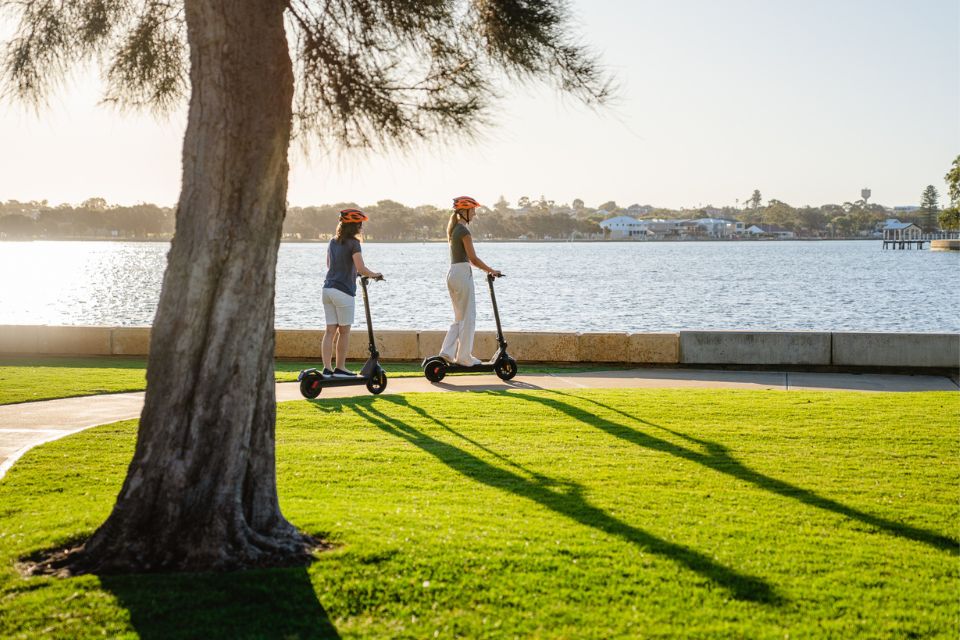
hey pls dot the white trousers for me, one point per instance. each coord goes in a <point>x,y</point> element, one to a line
<point>458,344</point>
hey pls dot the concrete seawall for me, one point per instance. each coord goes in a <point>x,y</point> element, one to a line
<point>695,348</point>
<point>945,245</point>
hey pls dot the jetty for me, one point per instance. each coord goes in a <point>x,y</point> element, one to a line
<point>903,244</point>
<point>907,235</point>
<point>902,235</point>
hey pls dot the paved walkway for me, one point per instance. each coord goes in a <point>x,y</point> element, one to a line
<point>24,426</point>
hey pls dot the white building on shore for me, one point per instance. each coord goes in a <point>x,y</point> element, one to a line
<point>629,227</point>
<point>623,227</point>
<point>770,231</point>
<point>720,227</point>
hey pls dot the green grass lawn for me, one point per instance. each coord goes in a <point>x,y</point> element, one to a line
<point>594,514</point>
<point>24,379</point>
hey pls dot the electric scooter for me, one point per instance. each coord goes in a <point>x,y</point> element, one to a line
<point>435,367</point>
<point>312,381</point>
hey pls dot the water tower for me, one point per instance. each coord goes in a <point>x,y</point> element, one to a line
<point>865,194</point>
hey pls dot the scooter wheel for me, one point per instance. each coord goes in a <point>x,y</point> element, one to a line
<point>435,371</point>
<point>377,383</point>
<point>506,369</point>
<point>310,386</point>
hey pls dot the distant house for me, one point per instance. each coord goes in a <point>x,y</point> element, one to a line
<point>896,230</point>
<point>719,227</point>
<point>770,231</point>
<point>623,227</point>
<point>779,232</point>
<point>661,228</point>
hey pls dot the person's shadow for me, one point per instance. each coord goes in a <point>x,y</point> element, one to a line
<point>717,457</point>
<point>562,497</point>
<point>268,603</point>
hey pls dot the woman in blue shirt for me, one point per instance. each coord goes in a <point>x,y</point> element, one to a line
<point>344,262</point>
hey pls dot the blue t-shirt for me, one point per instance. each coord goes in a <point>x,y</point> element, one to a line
<point>342,273</point>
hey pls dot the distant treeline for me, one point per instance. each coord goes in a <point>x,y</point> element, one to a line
<point>93,218</point>
<point>389,221</point>
<point>392,221</point>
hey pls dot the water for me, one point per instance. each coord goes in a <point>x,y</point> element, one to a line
<point>665,286</point>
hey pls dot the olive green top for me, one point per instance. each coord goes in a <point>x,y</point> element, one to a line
<point>457,251</point>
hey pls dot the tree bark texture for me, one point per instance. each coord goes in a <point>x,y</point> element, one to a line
<point>201,490</point>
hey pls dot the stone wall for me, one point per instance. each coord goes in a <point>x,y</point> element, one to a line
<point>755,347</point>
<point>747,348</point>
<point>945,245</point>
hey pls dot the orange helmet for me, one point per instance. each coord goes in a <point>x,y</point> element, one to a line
<point>465,202</point>
<point>353,215</point>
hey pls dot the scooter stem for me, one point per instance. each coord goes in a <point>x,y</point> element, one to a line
<point>496,312</point>
<point>366,309</point>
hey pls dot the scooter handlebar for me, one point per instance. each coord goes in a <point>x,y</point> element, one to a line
<point>492,277</point>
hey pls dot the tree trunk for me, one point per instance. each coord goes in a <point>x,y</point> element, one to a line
<point>201,490</point>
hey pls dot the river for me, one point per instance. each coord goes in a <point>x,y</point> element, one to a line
<point>590,286</point>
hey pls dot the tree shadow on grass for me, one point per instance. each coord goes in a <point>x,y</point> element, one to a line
<point>537,476</point>
<point>268,603</point>
<point>719,458</point>
<point>561,497</point>
<point>259,603</point>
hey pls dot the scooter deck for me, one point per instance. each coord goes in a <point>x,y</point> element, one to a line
<point>337,381</point>
<point>462,368</point>
<point>330,381</point>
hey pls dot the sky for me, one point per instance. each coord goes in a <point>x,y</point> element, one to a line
<point>809,102</point>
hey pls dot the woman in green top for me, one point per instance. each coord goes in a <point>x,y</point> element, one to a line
<point>458,343</point>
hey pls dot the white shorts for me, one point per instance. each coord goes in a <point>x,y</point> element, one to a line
<point>338,306</point>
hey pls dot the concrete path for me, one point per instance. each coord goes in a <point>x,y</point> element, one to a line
<point>24,426</point>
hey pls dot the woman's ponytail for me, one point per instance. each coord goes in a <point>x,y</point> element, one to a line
<point>451,225</point>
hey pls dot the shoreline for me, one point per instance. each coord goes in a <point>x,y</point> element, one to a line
<point>503,240</point>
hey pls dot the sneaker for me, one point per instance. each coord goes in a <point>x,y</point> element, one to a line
<point>343,373</point>
<point>472,362</point>
<point>326,373</point>
<point>449,359</point>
